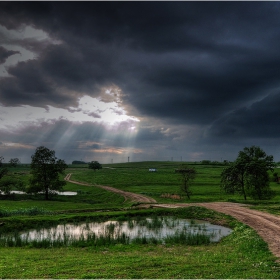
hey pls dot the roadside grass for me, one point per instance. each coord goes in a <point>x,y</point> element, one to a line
<point>242,254</point>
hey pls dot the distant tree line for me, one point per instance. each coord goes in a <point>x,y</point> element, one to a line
<point>79,162</point>
<point>215,162</point>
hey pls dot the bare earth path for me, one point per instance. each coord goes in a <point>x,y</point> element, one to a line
<point>127,195</point>
<point>267,225</point>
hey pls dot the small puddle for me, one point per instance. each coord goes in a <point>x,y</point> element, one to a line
<point>159,228</point>
<point>59,193</point>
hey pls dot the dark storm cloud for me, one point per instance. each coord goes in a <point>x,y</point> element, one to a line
<point>187,57</point>
<point>260,120</point>
<point>4,54</point>
<point>48,79</point>
<point>211,64</point>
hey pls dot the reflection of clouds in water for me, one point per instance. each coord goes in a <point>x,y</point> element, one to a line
<point>167,229</point>
<point>59,193</point>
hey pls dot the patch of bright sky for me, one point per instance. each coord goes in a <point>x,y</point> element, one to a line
<point>89,110</point>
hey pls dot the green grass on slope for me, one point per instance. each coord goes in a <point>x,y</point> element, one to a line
<point>135,177</point>
<point>243,254</point>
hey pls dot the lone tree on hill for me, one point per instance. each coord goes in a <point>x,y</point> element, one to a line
<point>45,170</point>
<point>248,174</point>
<point>187,177</point>
<point>14,162</point>
<point>94,165</point>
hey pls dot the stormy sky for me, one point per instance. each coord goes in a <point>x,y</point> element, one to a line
<point>146,80</point>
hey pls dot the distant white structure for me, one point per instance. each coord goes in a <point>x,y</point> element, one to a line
<point>152,170</point>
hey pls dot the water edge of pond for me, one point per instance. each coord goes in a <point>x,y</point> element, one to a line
<point>145,230</point>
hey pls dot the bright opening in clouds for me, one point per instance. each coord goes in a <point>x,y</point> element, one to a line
<point>88,110</point>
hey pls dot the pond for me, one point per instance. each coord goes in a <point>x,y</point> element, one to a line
<point>142,230</point>
<point>59,193</point>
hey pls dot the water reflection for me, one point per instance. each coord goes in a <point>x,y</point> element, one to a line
<point>159,228</point>
<point>59,193</point>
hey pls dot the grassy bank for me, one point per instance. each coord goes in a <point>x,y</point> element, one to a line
<point>243,254</point>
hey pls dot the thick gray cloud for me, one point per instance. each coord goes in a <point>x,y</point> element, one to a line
<point>260,120</point>
<point>4,54</point>
<point>209,65</point>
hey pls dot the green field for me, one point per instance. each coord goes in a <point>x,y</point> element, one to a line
<point>240,255</point>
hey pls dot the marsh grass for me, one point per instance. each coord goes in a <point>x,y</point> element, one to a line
<point>185,237</point>
<point>111,234</point>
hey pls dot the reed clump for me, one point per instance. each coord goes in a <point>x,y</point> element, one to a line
<point>111,233</point>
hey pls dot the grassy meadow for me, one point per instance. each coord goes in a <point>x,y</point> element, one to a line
<point>242,254</point>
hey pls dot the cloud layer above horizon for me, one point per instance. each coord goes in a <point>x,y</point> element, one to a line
<point>147,80</point>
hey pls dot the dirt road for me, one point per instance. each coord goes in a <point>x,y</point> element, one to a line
<point>133,197</point>
<point>267,225</point>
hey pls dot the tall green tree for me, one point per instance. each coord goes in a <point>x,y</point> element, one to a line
<point>45,170</point>
<point>248,174</point>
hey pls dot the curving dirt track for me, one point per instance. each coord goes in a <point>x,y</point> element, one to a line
<point>127,195</point>
<point>267,225</point>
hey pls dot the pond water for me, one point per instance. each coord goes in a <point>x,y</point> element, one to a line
<point>158,227</point>
<point>59,193</point>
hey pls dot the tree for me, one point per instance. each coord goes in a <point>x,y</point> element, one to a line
<point>187,177</point>
<point>14,162</point>
<point>78,162</point>
<point>3,170</point>
<point>94,165</point>
<point>248,174</point>
<point>7,183</point>
<point>45,170</point>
